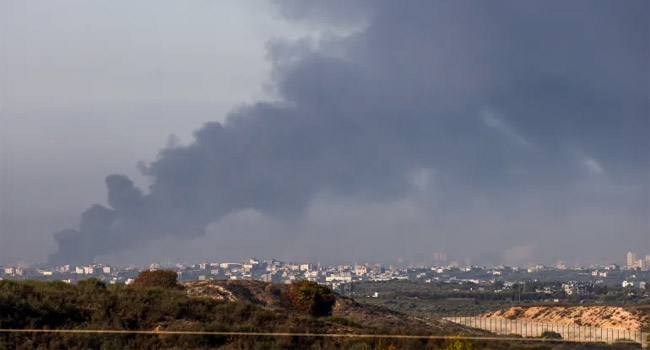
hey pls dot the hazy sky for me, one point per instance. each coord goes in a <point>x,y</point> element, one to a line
<point>513,132</point>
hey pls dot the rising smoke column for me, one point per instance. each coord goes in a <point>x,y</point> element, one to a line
<point>494,97</point>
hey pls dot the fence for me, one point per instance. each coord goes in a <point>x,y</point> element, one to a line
<point>524,328</point>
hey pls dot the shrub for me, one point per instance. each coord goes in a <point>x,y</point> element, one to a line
<point>342,321</point>
<point>551,335</point>
<point>157,279</point>
<point>458,342</point>
<point>312,298</point>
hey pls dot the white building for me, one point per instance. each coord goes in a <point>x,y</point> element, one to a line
<point>339,278</point>
<point>228,265</point>
<point>631,259</point>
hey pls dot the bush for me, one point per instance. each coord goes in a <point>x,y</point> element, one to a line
<point>458,342</point>
<point>157,279</point>
<point>312,298</point>
<point>551,335</point>
<point>342,321</point>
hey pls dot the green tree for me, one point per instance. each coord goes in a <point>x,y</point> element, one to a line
<point>311,297</point>
<point>157,279</point>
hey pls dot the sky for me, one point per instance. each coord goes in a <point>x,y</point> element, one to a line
<point>515,132</point>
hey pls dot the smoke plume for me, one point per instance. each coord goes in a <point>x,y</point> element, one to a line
<point>495,99</point>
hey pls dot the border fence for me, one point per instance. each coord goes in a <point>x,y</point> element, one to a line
<point>525,328</point>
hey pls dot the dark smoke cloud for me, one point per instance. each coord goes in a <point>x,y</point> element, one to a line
<point>499,98</point>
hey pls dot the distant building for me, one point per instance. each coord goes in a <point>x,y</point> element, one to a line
<point>440,257</point>
<point>339,278</point>
<point>229,265</point>
<point>570,288</point>
<point>631,259</point>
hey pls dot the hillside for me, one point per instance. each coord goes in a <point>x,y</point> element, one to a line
<point>212,306</point>
<point>273,295</point>
<point>634,318</point>
<point>224,306</point>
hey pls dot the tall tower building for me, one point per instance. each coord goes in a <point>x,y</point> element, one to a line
<point>631,259</point>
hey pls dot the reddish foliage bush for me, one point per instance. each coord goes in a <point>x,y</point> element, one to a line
<point>312,298</point>
<point>157,279</point>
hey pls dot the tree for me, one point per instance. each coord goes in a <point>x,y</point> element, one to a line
<point>157,279</point>
<point>311,297</point>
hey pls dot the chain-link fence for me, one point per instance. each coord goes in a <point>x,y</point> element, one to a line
<point>525,328</point>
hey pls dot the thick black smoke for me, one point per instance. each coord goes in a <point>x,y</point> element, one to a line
<point>497,97</point>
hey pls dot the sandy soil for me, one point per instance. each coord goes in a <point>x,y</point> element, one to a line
<point>594,316</point>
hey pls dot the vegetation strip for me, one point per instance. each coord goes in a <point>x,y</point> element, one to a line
<point>270,334</point>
